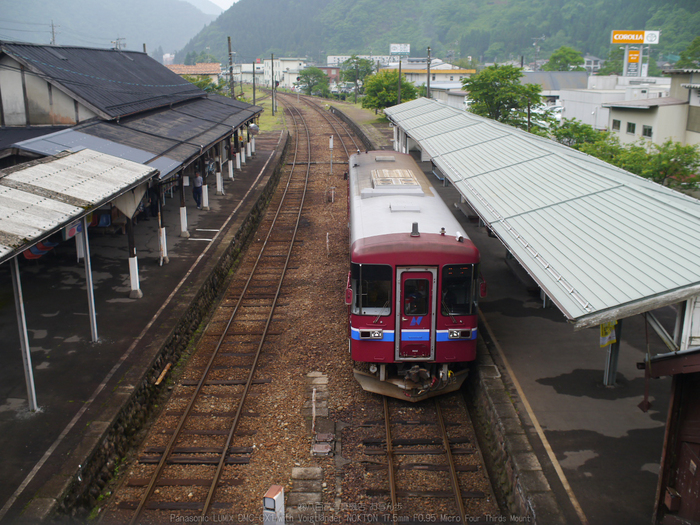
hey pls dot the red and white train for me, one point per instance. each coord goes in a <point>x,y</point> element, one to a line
<point>414,281</point>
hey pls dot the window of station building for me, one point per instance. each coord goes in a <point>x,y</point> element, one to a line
<point>371,289</point>
<point>459,291</point>
<point>646,131</point>
<point>616,125</point>
<point>433,77</point>
<point>631,128</point>
<point>452,77</point>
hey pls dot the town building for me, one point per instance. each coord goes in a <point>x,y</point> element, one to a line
<point>285,71</point>
<point>656,116</point>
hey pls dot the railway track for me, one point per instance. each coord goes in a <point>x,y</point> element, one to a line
<point>233,424</point>
<point>422,462</point>
<point>192,452</point>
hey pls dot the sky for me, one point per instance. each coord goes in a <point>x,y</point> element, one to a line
<point>224,4</point>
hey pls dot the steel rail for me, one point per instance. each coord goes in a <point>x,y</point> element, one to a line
<point>450,460</point>
<point>390,460</point>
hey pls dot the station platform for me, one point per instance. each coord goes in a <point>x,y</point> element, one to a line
<point>82,386</point>
<point>607,449</point>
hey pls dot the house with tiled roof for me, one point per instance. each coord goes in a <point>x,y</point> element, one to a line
<point>204,69</point>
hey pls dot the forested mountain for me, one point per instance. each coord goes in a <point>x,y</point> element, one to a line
<point>168,24</point>
<point>487,30</point>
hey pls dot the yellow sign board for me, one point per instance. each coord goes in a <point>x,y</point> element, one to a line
<point>607,334</point>
<point>635,37</point>
<point>633,56</point>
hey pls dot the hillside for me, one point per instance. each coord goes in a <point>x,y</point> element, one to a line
<point>169,24</point>
<point>492,30</point>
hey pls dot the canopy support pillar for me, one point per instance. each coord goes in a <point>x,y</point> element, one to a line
<point>610,375</point>
<point>88,278</point>
<point>23,336</point>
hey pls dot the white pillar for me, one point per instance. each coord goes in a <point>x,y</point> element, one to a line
<point>252,142</point>
<point>183,223</point>
<point>243,153</point>
<point>79,247</point>
<point>230,169</point>
<point>205,197</point>
<point>219,184</point>
<point>164,259</point>
<point>238,161</point>
<point>248,149</point>
<point>135,292</point>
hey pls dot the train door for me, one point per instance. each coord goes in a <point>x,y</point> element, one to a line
<point>415,310</point>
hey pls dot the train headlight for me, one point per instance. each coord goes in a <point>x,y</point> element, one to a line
<point>375,333</point>
<point>460,334</point>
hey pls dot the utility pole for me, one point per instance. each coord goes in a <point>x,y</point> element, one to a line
<point>53,34</point>
<point>254,75</point>
<point>272,62</point>
<point>398,99</point>
<point>428,90</point>
<point>118,44</point>
<point>230,69</point>
<point>357,73</point>
<point>537,48</point>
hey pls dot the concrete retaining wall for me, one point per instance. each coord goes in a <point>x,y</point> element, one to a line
<point>516,473</point>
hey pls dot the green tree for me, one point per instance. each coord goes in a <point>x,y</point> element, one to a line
<point>613,65</point>
<point>158,54</point>
<point>690,57</point>
<point>355,70</point>
<point>207,84</point>
<point>574,133</point>
<point>313,81</point>
<point>565,59</point>
<point>381,89</point>
<point>497,93</point>
<point>606,148</point>
<point>670,164</point>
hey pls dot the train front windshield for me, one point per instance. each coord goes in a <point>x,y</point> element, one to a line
<point>459,289</point>
<point>371,285</point>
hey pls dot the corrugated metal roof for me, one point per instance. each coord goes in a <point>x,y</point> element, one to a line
<point>603,243</point>
<point>114,83</point>
<point>39,198</point>
<point>165,139</point>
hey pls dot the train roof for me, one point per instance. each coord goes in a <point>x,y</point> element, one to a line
<point>389,192</point>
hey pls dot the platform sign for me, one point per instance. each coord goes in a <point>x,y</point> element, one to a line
<point>607,334</point>
<point>400,49</point>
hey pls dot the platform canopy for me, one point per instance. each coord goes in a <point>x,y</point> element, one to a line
<point>39,198</point>
<point>602,243</point>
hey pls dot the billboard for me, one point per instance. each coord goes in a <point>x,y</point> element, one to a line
<point>635,37</point>
<point>399,49</point>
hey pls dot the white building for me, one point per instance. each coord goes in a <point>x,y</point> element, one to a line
<point>589,105</point>
<point>286,71</point>
<point>658,119</point>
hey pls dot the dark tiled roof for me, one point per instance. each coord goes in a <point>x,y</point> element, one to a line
<point>10,135</point>
<point>179,133</point>
<point>114,83</point>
